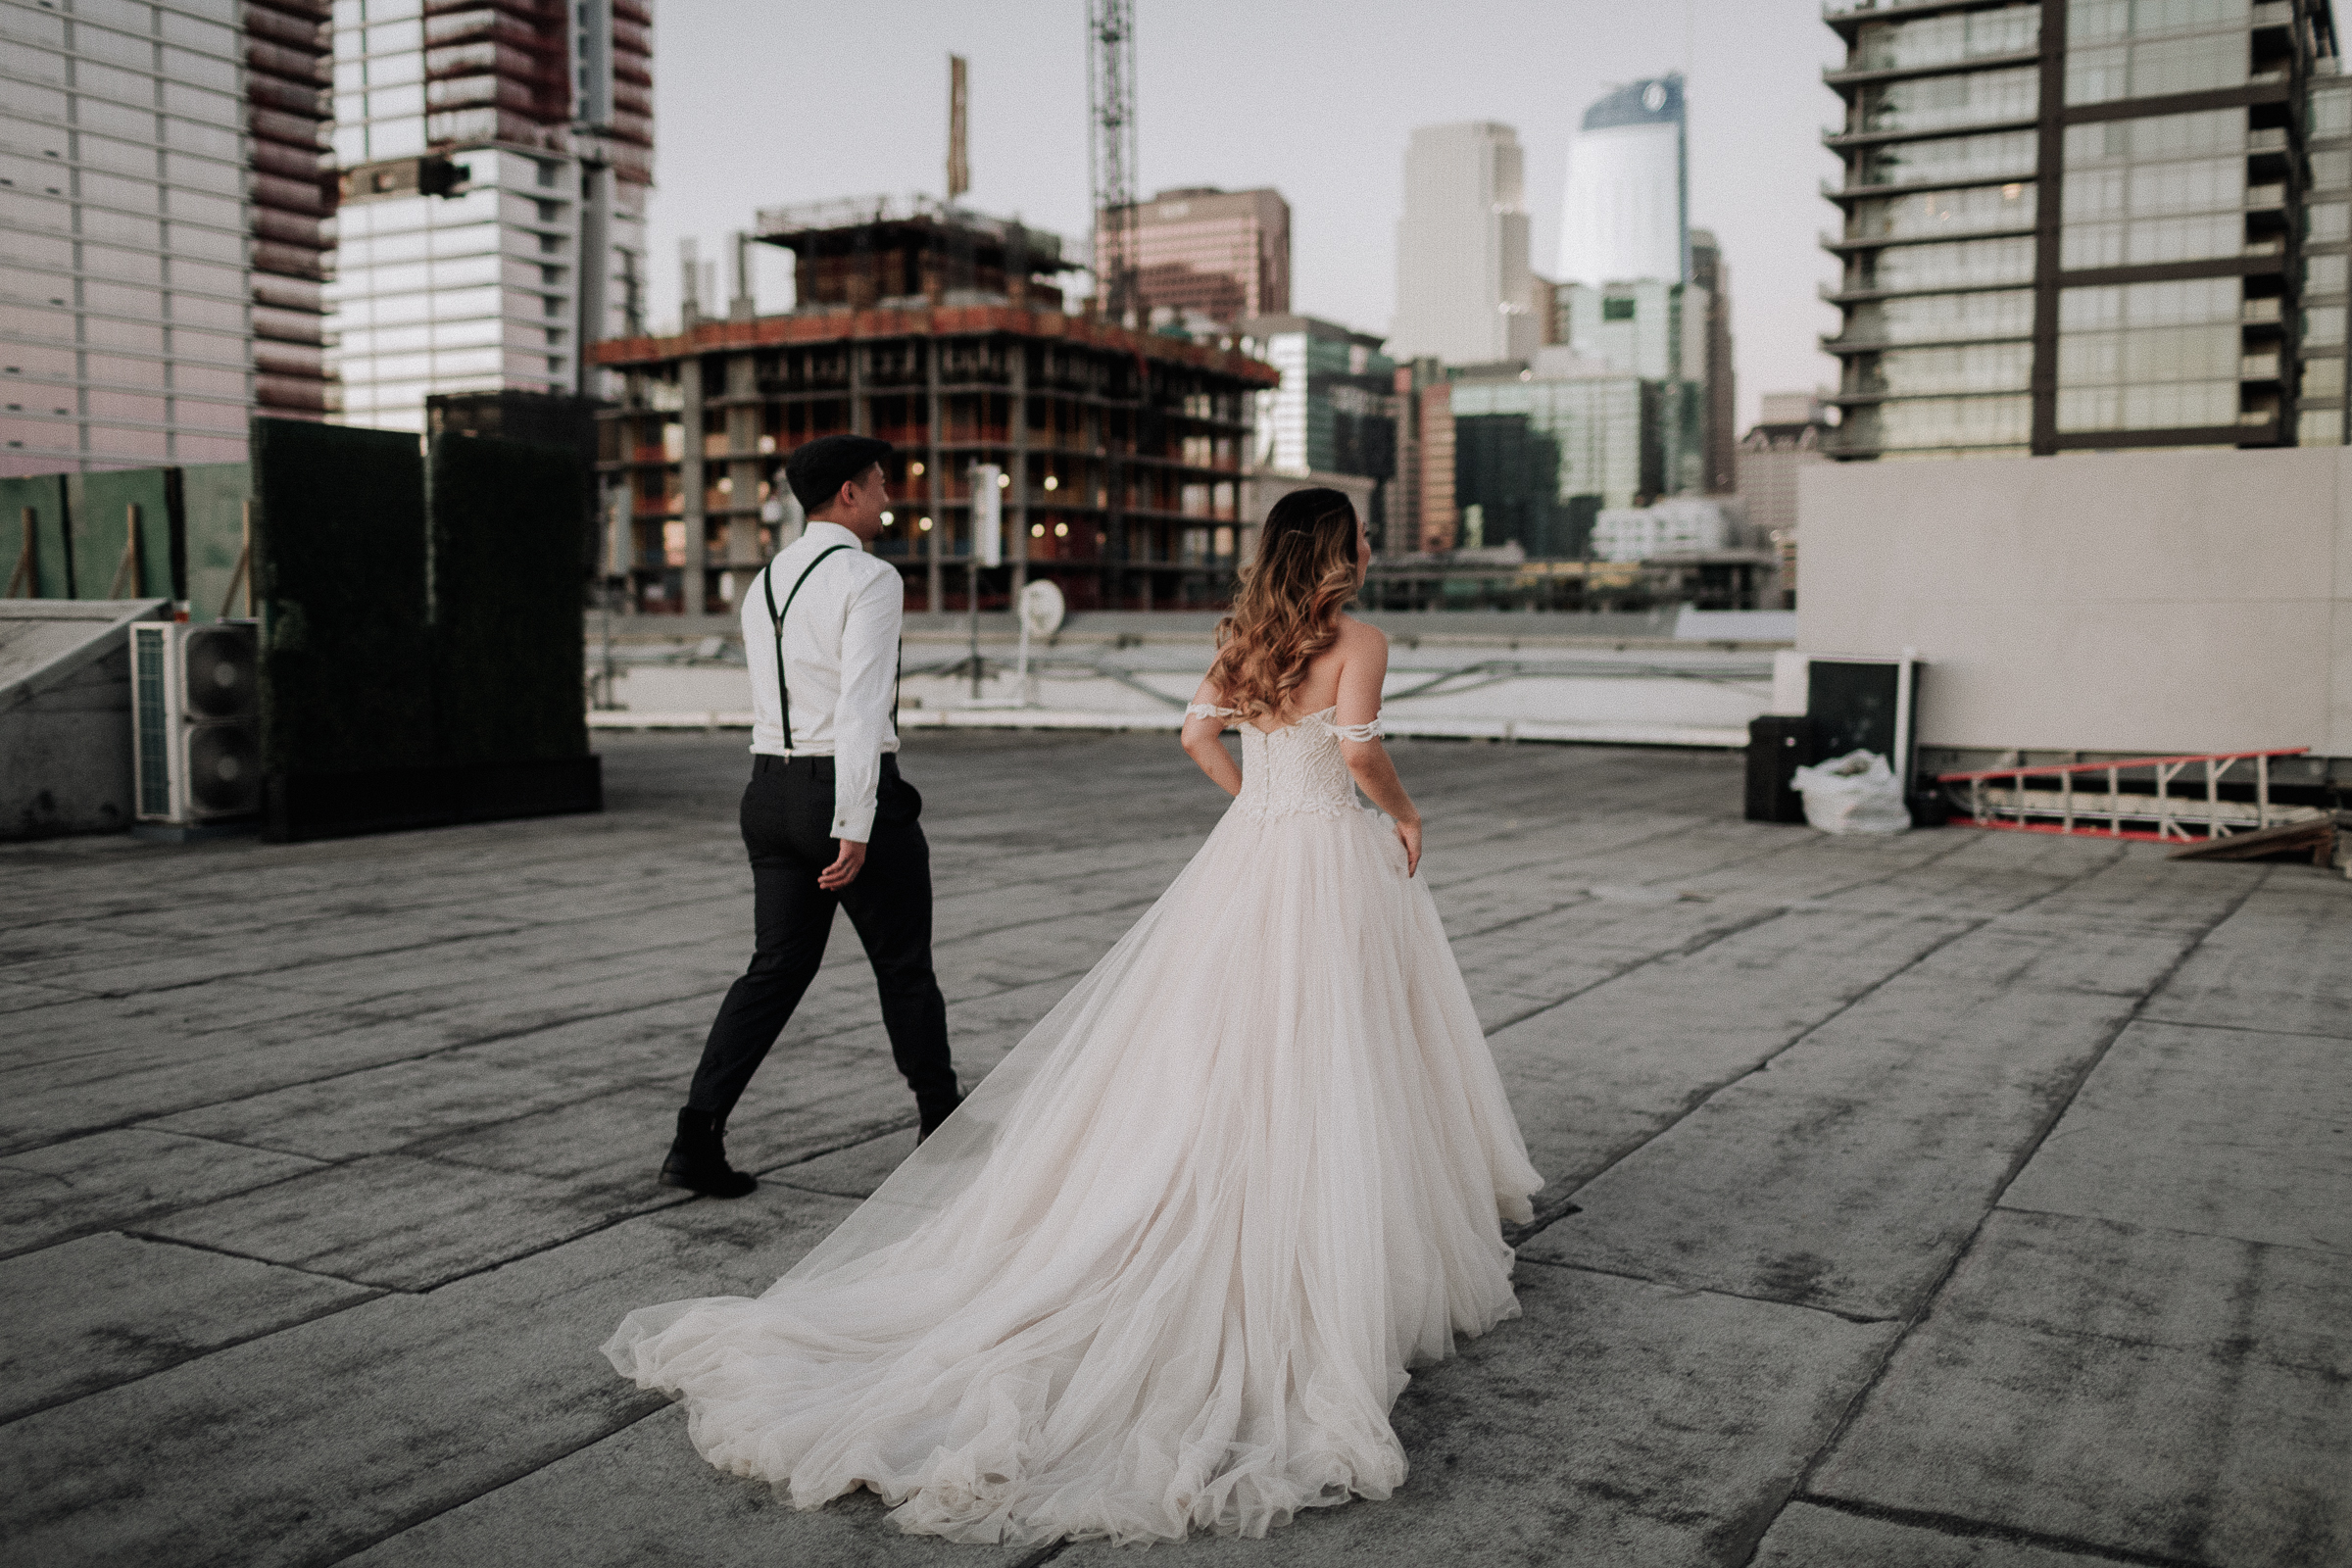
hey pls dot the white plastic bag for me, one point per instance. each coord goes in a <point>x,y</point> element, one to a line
<point>1858,793</point>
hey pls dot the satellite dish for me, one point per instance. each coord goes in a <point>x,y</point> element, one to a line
<point>1042,608</point>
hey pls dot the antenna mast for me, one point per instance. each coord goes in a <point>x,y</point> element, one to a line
<point>1112,155</point>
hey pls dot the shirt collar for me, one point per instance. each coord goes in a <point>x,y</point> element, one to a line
<point>831,533</point>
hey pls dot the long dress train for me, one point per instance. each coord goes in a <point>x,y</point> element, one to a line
<point>1166,1267</point>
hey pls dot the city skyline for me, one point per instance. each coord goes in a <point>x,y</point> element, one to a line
<point>732,140</point>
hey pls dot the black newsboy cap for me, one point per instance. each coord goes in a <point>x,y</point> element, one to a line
<point>818,469</point>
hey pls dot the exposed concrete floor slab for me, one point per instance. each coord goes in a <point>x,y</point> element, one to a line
<point>1524,1449</point>
<point>107,1309</point>
<point>1956,1198</point>
<point>2226,1132</point>
<point>2188,1397</point>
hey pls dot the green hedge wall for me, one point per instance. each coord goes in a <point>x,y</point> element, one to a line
<point>339,555</point>
<point>507,636</point>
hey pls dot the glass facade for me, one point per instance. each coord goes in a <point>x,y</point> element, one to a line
<point>1336,410</point>
<point>1541,458</point>
<point>1656,331</point>
<point>2320,416</point>
<point>546,111</point>
<point>2158,259</point>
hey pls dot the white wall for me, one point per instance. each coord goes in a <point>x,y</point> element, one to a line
<point>2159,603</point>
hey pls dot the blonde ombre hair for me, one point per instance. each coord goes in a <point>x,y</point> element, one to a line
<point>1287,609</point>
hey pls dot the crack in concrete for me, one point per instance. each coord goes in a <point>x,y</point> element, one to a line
<point>255,1257</point>
<point>1960,1525</point>
<point>2315,1248</point>
<point>1678,1289</point>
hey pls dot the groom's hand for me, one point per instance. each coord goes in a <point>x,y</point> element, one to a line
<point>844,867</point>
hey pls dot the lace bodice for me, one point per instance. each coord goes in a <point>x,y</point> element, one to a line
<point>1296,770</point>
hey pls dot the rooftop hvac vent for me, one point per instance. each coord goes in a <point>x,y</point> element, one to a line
<point>196,721</point>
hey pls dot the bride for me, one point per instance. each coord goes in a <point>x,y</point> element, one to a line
<point>1166,1267</point>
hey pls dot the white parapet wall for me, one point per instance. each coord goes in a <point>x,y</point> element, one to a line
<point>2158,603</point>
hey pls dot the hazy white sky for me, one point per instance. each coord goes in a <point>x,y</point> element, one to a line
<point>759,103</point>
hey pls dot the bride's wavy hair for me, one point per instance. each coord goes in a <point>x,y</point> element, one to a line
<point>1287,609</point>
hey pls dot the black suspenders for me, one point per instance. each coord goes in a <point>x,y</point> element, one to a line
<point>768,586</point>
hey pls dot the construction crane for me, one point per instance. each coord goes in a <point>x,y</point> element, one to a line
<point>1112,155</point>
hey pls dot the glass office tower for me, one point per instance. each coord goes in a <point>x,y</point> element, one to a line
<point>2083,224</point>
<point>495,163</point>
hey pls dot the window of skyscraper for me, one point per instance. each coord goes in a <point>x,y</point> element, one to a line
<point>1938,40</point>
<point>2098,21</point>
<point>2006,152</point>
<point>1961,368</point>
<point>1960,265</point>
<point>1945,212</point>
<point>1931,103</point>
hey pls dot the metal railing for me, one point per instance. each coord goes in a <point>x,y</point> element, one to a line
<point>2005,797</point>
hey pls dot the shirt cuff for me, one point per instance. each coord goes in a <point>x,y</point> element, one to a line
<point>854,824</point>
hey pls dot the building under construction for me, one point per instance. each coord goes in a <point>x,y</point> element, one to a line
<point>943,332</point>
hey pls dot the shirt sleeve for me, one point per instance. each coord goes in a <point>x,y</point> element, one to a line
<point>861,716</point>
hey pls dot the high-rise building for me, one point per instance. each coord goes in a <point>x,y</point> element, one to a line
<point>1462,276</point>
<point>1334,417</point>
<point>493,225</point>
<point>1335,411</point>
<point>1794,431</point>
<point>1712,274</point>
<point>1627,208</point>
<point>2084,224</point>
<point>1540,449</point>
<point>1658,332</point>
<point>164,221</point>
<point>1207,254</point>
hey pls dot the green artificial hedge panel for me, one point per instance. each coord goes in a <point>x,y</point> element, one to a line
<point>104,566</point>
<point>508,645</point>
<point>52,575</point>
<point>213,502</point>
<point>339,561</point>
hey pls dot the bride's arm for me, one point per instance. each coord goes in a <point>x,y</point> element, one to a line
<point>1202,742</point>
<point>1360,679</point>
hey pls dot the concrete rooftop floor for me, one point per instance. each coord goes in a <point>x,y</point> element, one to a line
<point>1963,1198</point>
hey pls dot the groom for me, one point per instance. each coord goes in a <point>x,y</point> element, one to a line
<point>827,817</point>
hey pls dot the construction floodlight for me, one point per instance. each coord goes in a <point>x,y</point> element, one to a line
<point>196,734</point>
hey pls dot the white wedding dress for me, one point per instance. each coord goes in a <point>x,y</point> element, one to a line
<point>1166,1268</point>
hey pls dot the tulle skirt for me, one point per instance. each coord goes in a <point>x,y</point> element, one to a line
<point>1166,1267</point>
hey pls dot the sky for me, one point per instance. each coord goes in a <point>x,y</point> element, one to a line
<point>759,104</point>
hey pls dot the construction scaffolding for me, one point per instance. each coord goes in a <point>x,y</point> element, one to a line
<point>940,332</point>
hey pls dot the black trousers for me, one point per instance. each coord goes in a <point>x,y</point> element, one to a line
<point>787,813</point>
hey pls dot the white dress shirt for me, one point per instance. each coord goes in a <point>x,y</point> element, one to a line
<point>841,657</point>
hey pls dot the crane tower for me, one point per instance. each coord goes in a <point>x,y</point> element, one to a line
<point>1112,155</point>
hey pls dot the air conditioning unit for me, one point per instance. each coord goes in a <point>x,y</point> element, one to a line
<point>196,721</point>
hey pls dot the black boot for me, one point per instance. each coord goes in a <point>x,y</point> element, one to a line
<point>697,1159</point>
<point>933,1112</point>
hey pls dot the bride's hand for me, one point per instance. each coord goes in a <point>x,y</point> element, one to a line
<point>1408,834</point>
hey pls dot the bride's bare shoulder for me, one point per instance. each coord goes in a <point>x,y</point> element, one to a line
<point>1355,633</point>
